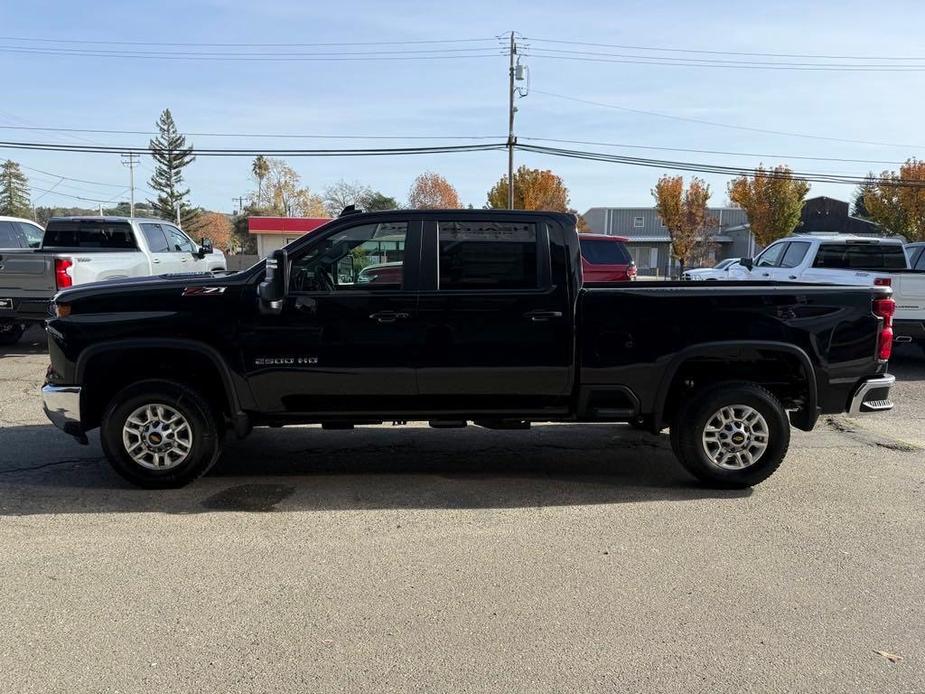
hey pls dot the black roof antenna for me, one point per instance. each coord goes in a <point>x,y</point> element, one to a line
<point>348,210</point>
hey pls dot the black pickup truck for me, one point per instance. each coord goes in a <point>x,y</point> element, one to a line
<point>457,316</point>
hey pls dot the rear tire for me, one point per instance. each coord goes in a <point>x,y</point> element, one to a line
<point>161,434</point>
<point>11,332</point>
<point>731,435</point>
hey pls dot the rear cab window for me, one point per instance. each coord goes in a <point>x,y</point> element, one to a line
<point>89,234</point>
<point>603,252</point>
<point>488,255</point>
<point>156,238</point>
<point>861,256</point>
<point>19,235</point>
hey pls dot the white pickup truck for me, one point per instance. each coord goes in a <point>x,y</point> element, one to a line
<point>845,259</point>
<point>78,250</point>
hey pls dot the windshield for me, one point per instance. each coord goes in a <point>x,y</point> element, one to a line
<point>603,252</point>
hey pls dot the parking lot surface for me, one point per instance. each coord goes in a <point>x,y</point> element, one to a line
<point>578,558</point>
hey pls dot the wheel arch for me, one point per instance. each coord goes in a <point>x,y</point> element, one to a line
<point>199,363</point>
<point>740,352</point>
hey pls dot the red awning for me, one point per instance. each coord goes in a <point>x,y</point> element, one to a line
<point>289,226</point>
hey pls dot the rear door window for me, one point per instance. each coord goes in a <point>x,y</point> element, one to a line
<point>794,254</point>
<point>31,233</point>
<point>89,234</point>
<point>603,252</point>
<point>154,235</point>
<point>861,256</point>
<point>917,258</point>
<point>488,255</point>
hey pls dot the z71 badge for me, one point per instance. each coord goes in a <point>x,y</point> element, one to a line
<point>203,291</point>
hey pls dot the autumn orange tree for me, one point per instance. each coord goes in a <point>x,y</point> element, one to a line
<point>684,213</point>
<point>534,189</point>
<point>896,201</point>
<point>216,227</point>
<point>773,201</point>
<point>432,191</point>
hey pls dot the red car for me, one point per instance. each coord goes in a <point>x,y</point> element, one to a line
<point>605,259</point>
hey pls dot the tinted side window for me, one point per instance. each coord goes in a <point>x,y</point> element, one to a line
<point>920,262</point>
<point>366,257</point>
<point>10,236</point>
<point>179,241</point>
<point>861,256</point>
<point>89,234</point>
<point>599,252</point>
<point>795,253</point>
<point>32,234</point>
<point>154,235</point>
<point>488,255</point>
<point>771,255</point>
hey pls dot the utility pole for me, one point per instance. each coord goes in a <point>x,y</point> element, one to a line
<point>510,130</point>
<point>240,202</point>
<point>130,160</point>
<point>177,208</point>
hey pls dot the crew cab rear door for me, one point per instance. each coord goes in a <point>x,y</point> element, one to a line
<point>498,328</point>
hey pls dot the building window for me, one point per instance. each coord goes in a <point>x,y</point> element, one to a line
<point>639,222</point>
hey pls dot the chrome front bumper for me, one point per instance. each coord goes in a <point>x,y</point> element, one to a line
<point>62,407</point>
<point>873,395</point>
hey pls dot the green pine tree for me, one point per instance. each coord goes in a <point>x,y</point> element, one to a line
<point>171,154</point>
<point>14,191</point>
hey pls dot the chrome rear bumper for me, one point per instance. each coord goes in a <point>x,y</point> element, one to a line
<point>873,395</point>
<point>62,407</point>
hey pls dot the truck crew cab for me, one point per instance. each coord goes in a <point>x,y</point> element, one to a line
<point>487,320</point>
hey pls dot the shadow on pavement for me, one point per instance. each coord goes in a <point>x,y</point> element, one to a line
<point>307,469</point>
<point>33,341</point>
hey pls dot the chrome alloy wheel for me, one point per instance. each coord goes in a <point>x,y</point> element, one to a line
<point>157,437</point>
<point>735,437</point>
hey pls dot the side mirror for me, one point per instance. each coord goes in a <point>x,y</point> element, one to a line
<point>205,248</point>
<point>747,263</point>
<point>275,286</point>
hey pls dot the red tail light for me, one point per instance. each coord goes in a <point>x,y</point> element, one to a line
<point>883,281</point>
<point>885,308</point>
<point>631,271</point>
<point>62,279</point>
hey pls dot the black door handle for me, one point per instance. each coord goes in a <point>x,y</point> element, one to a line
<point>389,316</point>
<point>766,274</point>
<point>540,315</point>
<point>793,277</point>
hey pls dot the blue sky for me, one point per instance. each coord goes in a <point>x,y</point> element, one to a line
<point>462,97</point>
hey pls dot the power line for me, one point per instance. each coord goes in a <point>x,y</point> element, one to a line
<point>726,125</point>
<point>76,180</point>
<point>118,149</point>
<point>780,157</point>
<point>77,197</point>
<point>724,65</point>
<point>238,57</point>
<point>246,45</point>
<point>714,168</point>
<point>255,135</point>
<point>715,52</point>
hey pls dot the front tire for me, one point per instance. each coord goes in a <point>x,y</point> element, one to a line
<point>160,434</point>
<point>731,435</point>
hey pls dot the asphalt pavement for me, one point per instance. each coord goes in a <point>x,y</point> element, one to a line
<point>565,558</point>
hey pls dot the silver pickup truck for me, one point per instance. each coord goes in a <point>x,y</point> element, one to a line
<point>79,250</point>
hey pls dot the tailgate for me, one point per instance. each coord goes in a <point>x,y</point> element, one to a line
<point>26,273</point>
